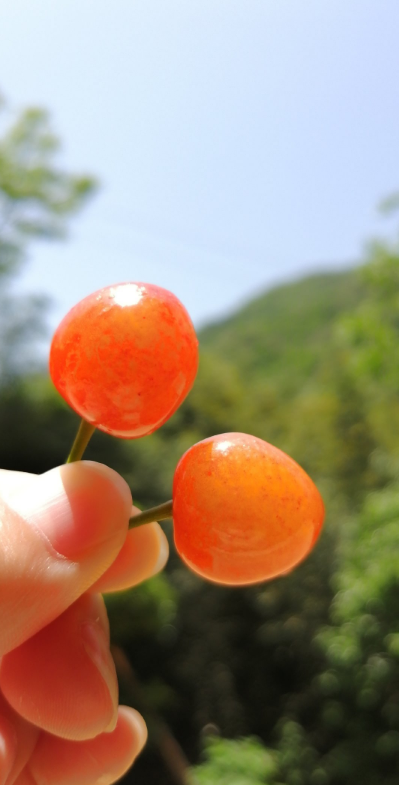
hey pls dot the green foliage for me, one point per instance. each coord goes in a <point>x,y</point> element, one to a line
<point>35,195</point>
<point>36,200</point>
<point>353,735</point>
<point>369,343</point>
<point>361,646</point>
<point>241,762</point>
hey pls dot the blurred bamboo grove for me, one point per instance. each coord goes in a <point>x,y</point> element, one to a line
<point>294,682</point>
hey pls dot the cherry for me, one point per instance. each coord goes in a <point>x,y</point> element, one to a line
<point>243,511</point>
<point>125,357</point>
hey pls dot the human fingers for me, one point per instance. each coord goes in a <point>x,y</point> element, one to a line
<point>59,532</point>
<point>17,741</point>
<point>32,757</point>
<point>103,759</point>
<point>10,481</point>
<point>63,679</point>
<point>143,554</point>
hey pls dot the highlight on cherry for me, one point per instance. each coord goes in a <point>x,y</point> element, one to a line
<point>124,358</point>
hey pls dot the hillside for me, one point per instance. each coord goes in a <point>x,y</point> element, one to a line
<point>284,332</point>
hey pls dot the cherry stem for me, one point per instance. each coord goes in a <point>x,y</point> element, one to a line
<point>159,513</point>
<point>83,436</point>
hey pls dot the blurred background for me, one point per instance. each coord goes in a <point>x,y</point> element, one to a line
<point>235,152</point>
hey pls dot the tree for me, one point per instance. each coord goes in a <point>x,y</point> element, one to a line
<point>36,200</point>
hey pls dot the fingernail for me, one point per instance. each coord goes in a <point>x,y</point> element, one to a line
<point>76,506</point>
<point>96,643</point>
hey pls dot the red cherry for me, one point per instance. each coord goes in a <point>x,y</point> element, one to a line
<point>125,357</point>
<point>243,511</point>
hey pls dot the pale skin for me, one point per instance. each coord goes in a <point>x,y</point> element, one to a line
<point>64,540</point>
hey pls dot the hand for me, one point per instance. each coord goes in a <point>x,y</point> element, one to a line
<point>64,539</point>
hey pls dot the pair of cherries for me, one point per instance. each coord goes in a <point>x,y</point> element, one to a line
<point>124,358</point>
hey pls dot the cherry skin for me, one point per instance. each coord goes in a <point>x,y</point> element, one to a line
<point>125,357</point>
<point>243,511</point>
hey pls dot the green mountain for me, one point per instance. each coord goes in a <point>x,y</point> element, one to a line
<point>283,334</point>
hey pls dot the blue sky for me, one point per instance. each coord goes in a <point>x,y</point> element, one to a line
<point>239,143</point>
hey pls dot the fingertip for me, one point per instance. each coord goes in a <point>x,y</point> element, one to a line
<point>76,506</point>
<point>143,554</point>
<point>63,679</point>
<point>137,727</point>
<point>96,502</point>
<point>104,759</point>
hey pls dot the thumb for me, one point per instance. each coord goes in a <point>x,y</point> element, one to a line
<point>58,533</point>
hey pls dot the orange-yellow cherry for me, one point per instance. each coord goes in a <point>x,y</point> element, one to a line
<point>125,357</point>
<point>243,510</point>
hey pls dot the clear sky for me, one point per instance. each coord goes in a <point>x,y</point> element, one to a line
<point>238,142</point>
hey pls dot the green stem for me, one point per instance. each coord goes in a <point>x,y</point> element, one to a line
<point>159,513</point>
<point>83,436</point>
